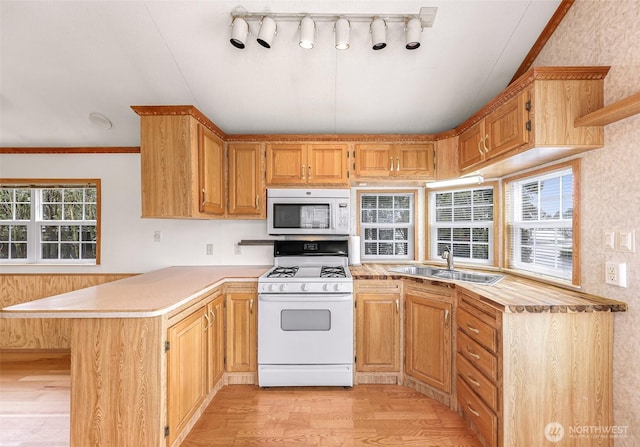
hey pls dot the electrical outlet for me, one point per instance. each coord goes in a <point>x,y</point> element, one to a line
<point>236,249</point>
<point>616,274</point>
<point>209,249</point>
<point>157,236</point>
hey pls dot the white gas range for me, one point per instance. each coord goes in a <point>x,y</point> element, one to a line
<point>305,316</point>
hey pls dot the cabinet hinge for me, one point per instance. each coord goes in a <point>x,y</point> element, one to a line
<point>167,345</point>
<point>528,125</point>
<point>166,431</point>
<point>527,105</point>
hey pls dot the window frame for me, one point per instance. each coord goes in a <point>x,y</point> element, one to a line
<point>35,223</point>
<point>574,166</point>
<point>414,223</point>
<point>494,238</point>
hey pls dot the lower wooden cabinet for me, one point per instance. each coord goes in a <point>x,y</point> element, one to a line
<point>215,341</point>
<point>428,333</point>
<point>378,326</point>
<point>187,366</point>
<point>242,322</point>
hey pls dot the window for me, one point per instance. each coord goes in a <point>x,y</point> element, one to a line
<point>541,229</point>
<point>49,223</point>
<point>464,220</point>
<point>387,225</point>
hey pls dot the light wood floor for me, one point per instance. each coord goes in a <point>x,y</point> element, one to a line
<point>366,415</point>
<point>34,412</point>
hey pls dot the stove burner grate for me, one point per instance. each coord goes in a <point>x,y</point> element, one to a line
<point>283,272</point>
<point>332,272</point>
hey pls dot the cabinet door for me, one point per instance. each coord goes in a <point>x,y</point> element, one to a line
<point>186,367</point>
<point>241,332</point>
<point>327,164</point>
<point>378,332</point>
<point>246,190</point>
<point>374,160</point>
<point>215,342</point>
<point>428,341</point>
<point>286,164</point>
<point>506,127</point>
<point>470,148</point>
<point>211,172</point>
<point>414,160</point>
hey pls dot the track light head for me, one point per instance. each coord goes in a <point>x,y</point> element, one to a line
<point>239,32</point>
<point>268,30</point>
<point>307,32</point>
<point>342,28</point>
<point>378,30</point>
<point>413,29</point>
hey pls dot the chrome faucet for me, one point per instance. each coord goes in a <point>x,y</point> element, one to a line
<point>448,255</point>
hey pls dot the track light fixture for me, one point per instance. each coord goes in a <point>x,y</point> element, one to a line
<point>342,28</point>
<point>307,32</point>
<point>239,32</point>
<point>378,33</point>
<point>413,29</point>
<point>268,30</point>
<point>342,23</point>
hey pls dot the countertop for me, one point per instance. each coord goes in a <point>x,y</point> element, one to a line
<point>513,294</point>
<point>161,291</point>
<point>147,295</point>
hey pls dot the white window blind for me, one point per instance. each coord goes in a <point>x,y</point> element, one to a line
<point>539,219</point>
<point>387,226</point>
<point>48,224</point>
<point>463,221</point>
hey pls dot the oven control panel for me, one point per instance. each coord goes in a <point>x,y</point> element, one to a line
<point>306,287</point>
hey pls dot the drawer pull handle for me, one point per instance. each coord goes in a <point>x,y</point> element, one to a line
<point>398,164</point>
<point>303,172</point>
<point>473,329</point>
<point>204,196</point>
<point>474,412</point>
<point>473,354</point>
<point>397,306</point>
<point>473,381</point>
<point>206,317</point>
<point>251,306</point>
<point>391,164</point>
<point>213,317</point>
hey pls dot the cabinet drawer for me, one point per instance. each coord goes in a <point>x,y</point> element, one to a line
<point>476,411</point>
<point>480,331</point>
<point>478,356</point>
<point>477,382</point>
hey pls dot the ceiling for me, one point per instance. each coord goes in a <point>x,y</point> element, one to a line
<point>61,60</point>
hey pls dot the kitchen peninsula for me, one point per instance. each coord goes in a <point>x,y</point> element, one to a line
<point>121,372</point>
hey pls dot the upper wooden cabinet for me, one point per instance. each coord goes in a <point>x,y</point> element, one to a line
<point>395,160</point>
<point>532,121</point>
<point>246,180</point>
<point>182,163</point>
<point>307,164</point>
<point>211,172</point>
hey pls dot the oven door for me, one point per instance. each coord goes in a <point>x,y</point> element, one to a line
<point>305,329</point>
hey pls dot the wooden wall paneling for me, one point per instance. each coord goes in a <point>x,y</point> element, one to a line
<point>41,333</point>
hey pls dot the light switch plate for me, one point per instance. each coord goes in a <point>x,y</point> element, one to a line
<point>609,240</point>
<point>626,241</point>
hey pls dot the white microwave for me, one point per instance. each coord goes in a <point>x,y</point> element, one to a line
<point>308,211</point>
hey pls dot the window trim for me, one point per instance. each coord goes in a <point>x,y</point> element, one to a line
<point>44,183</point>
<point>496,212</point>
<point>574,165</point>
<point>409,191</point>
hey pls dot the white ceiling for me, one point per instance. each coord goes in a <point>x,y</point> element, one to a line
<point>61,60</point>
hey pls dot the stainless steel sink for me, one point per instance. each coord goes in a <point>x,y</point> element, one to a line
<point>453,275</point>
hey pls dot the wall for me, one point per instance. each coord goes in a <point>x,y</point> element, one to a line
<point>127,240</point>
<point>607,33</point>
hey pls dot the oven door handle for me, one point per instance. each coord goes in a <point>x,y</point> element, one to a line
<point>305,298</point>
